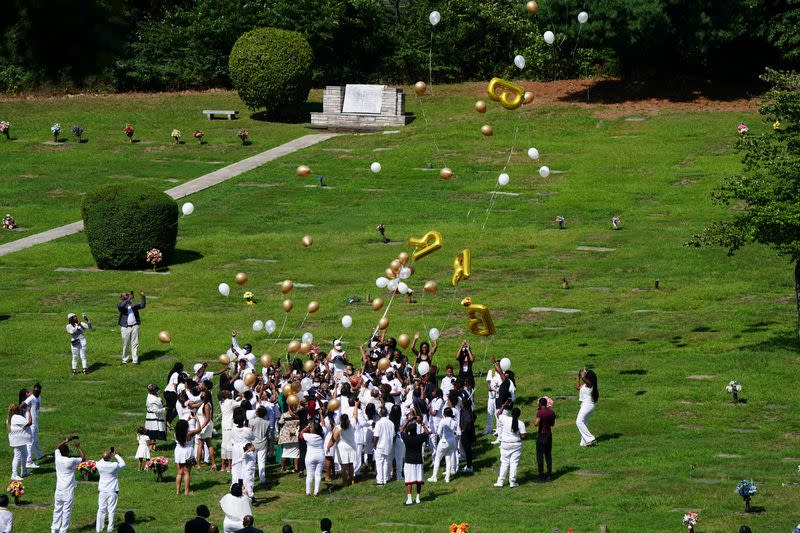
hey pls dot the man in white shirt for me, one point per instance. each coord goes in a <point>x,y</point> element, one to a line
<point>448,381</point>
<point>396,385</point>
<point>65,485</point>
<point>34,402</point>
<point>108,488</point>
<point>244,352</point>
<point>383,443</point>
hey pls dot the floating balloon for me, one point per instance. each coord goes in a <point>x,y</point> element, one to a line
<point>423,368</point>
<point>309,365</point>
<point>307,337</point>
<point>187,208</point>
<point>433,334</point>
<point>381,282</point>
<point>347,321</point>
<point>383,323</point>
<point>533,153</point>
<point>293,400</point>
<point>403,340</point>
<point>395,265</point>
<point>429,243</point>
<point>377,303</point>
<point>296,386</point>
<point>287,286</point>
<point>287,305</point>
<point>389,274</point>
<point>434,18</point>
<point>258,325</point>
<point>375,167</point>
<point>462,267</point>
<point>445,173</point>
<point>306,383</point>
<point>333,404</point>
<point>480,106</point>
<point>403,258</point>
<point>293,347</point>
<point>270,326</point>
<point>224,289</point>
<point>313,306</point>
<point>225,359</point>
<point>527,98</point>
<point>583,16</point>
<point>532,7</point>
<point>393,284</point>
<point>508,94</point>
<point>404,273</point>
<point>487,131</point>
<point>266,360</point>
<point>479,321</point>
<point>239,385</point>
<point>384,363</point>
<point>549,37</point>
<point>164,337</point>
<point>307,240</point>
<point>402,288</point>
<point>431,286</point>
<point>305,347</point>
<point>503,179</point>
<point>519,62</point>
<point>420,88</point>
<point>241,278</point>
<point>544,172</point>
<point>303,171</point>
<point>505,364</point>
<point>286,389</point>
<point>250,379</point>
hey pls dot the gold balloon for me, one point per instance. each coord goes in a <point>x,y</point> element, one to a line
<point>420,88</point>
<point>293,400</point>
<point>389,273</point>
<point>287,286</point>
<point>487,130</point>
<point>383,323</point>
<point>396,265</point>
<point>286,389</point>
<point>403,258</point>
<point>266,360</point>
<point>384,363</point>
<point>377,303</point>
<point>427,244</point>
<point>225,359</point>
<point>532,7</point>
<point>445,173</point>
<point>334,404</point>
<point>431,286</point>
<point>527,98</point>
<point>480,106</point>
<point>241,278</point>
<point>462,267</point>
<point>508,94</point>
<point>250,379</point>
<point>404,340</point>
<point>293,347</point>
<point>309,366</point>
<point>479,321</point>
<point>303,171</point>
<point>305,347</point>
<point>296,386</point>
<point>287,305</point>
<point>313,306</point>
<point>307,240</point>
<point>164,337</point>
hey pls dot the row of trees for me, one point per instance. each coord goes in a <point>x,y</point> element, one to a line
<point>177,44</point>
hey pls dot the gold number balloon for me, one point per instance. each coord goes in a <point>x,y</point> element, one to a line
<point>508,94</point>
<point>429,243</point>
<point>479,321</point>
<point>462,266</point>
<point>225,359</point>
<point>266,360</point>
<point>287,305</point>
<point>313,306</point>
<point>164,337</point>
<point>287,286</point>
<point>403,340</point>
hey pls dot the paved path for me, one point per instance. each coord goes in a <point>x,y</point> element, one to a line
<point>185,189</point>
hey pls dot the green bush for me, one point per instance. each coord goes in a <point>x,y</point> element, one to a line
<point>271,69</point>
<point>123,221</point>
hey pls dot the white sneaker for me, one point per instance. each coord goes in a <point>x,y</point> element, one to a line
<point>432,480</point>
<point>408,501</point>
<point>447,479</point>
<point>513,485</point>
<point>498,484</point>
<point>16,478</point>
<point>496,441</point>
<point>418,500</point>
<point>31,465</point>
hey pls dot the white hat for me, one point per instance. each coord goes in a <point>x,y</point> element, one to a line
<point>197,367</point>
<point>71,315</point>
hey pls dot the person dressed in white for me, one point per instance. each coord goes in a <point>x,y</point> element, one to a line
<point>241,435</point>
<point>588,395</point>
<point>446,433</point>
<point>344,438</point>
<point>77,330</point>
<point>19,424</point>
<point>511,436</point>
<point>383,444</point>
<point>243,353</point>
<point>315,456</point>
<point>108,488</point>
<point>493,382</point>
<point>34,403</point>
<point>226,407</point>
<point>184,454</point>
<point>235,506</point>
<point>155,419</point>
<point>248,469</point>
<point>260,427</point>
<point>129,322</point>
<point>65,485</point>
<point>6,518</point>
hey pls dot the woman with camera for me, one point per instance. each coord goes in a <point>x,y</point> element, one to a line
<point>588,395</point>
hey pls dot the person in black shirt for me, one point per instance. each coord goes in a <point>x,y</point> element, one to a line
<point>545,420</point>
<point>198,524</point>
<point>412,468</point>
<point>465,359</point>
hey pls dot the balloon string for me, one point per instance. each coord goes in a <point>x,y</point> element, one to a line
<point>450,310</point>
<point>497,185</point>
<point>422,310</point>
<point>430,63</point>
<point>428,127</point>
<point>303,322</point>
<point>285,316</point>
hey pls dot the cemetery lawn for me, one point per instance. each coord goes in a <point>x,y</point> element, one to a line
<point>669,441</point>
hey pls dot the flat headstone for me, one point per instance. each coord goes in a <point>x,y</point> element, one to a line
<point>684,510</point>
<point>594,249</point>
<point>691,427</point>
<point>743,430</point>
<point>299,285</point>
<point>729,456</point>
<point>391,132</point>
<point>312,186</point>
<point>256,184</point>
<point>635,119</point>
<point>380,149</point>
<point>706,481</point>
<point>130,413</point>
<point>552,328</point>
<point>701,376</point>
<point>504,193</point>
<point>599,289</point>
<point>553,309</point>
<point>260,260</point>
<point>363,98</point>
<point>591,473</point>
<point>70,269</point>
<point>791,459</point>
<point>161,273</point>
<point>645,311</point>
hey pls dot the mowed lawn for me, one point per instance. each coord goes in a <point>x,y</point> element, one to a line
<point>669,440</point>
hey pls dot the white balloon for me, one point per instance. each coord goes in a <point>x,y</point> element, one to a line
<point>347,321</point>
<point>519,61</point>
<point>533,153</point>
<point>402,288</point>
<point>505,363</point>
<point>393,284</point>
<point>258,325</point>
<point>434,18</point>
<point>375,167</point>
<point>433,334</point>
<point>404,273</point>
<point>270,326</point>
<point>307,337</point>
<point>381,282</point>
<point>187,208</point>
<point>423,368</point>
<point>239,385</point>
<point>583,16</point>
<point>549,37</point>
<point>544,172</point>
<point>503,179</point>
<point>224,289</point>
<point>305,384</point>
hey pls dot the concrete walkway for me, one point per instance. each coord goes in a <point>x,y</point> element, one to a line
<point>185,189</point>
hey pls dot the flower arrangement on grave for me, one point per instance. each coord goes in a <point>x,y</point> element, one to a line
<point>248,298</point>
<point>176,135</point>
<point>746,489</point>
<point>690,520</point>
<point>16,489</point>
<point>9,222</point>
<point>77,130</point>
<point>55,129</point>
<point>734,388</point>
<point>198,134</point>
<point>463,527</point>
<point>5,129</point>
<point>158,465</point>
<point>244,135</point>
<point>154,257</point>
<point>128,131</point>
<point>87,469</point>
<point>742,128</point>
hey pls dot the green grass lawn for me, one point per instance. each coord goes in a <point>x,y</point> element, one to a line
<point>669,443</point>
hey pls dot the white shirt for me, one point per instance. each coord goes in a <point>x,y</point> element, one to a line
<point>19,432</point>
<point>65,471</point>
<point>397,386</point>
<point>447,429</point>
<point>384,430</point>
<point>131,316</point>
<point>447,385</point>
<point>76,331</point>
<point>6,520</point>
<point>585,394</point>
<point>506,435</point>
<point>172,382</point>
<point>34,404</point>
<point>493,382</point>
<point>226,408</point>
<point>109,474</point>
<point>235,509</point>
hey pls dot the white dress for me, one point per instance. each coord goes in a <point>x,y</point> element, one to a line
<point>184,452</point>
<point>208,431</point>
<point>143,451</point>
<point>346,447</point>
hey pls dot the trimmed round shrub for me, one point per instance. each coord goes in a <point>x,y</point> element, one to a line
<point>123,221</point>
<point>271,69</point>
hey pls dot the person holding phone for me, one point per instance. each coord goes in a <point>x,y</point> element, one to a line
<point>65,484</point>
<point>588,395</point>
<point>108,488</point>
<point>77,329</point>
<point>129,322</point>
<point>414,434</point>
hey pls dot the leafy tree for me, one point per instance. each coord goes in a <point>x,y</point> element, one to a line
<point>769,191</point>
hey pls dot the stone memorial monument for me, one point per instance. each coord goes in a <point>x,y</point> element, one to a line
<point>362,106</point>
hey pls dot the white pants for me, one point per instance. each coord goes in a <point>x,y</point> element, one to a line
<point>261,459</point>
<point>443,449</point>
<point>491,409</point>
<point>79,350</point>
<point>62,510</point>
<point>106,504</point>
<point>587,408</point>
<point>19,461</point>
<point>359,459</point>
<point>130,335</point>
<point>383,467</point>
<point>34,452</point>
<point>231,526</point>
<point>509,462</point>
<point>314,463</point>
<point>399,457</point>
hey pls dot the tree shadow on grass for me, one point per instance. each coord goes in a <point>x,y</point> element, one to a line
<point>180,257</point>
<point>4,317</point>
<point>296,115</point>
<point>778,342</point>
<point>208,483</point>
<point>634,372</point>
<point>678,89</point>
